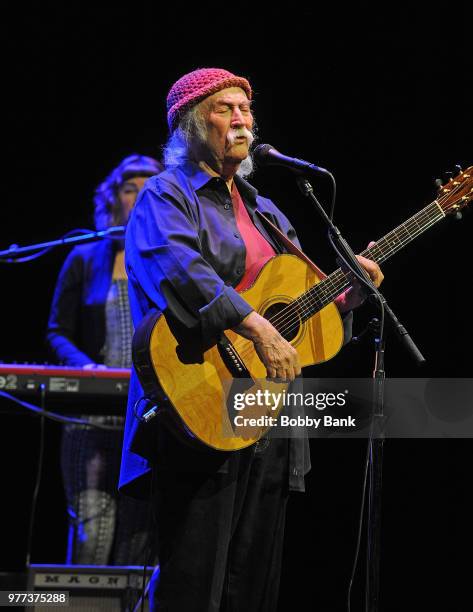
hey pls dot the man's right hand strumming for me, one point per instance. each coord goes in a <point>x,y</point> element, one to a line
<point>278,356</point>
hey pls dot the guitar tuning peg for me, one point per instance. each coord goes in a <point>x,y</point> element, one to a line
<point>438,183</point>
<point>458,167</point>
<point>458,216</point>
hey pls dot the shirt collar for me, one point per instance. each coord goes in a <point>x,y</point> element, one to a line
<point>199,178</point>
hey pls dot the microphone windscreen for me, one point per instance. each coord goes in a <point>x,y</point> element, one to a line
<point>260,154</point>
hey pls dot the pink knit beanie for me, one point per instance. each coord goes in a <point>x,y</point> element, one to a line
<point>197,85</point>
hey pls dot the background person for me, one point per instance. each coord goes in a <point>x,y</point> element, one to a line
<point>90,326</point>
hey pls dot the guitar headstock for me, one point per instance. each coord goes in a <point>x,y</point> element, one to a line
<point>457,192</point>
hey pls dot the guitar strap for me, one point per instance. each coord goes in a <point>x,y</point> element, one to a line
<point>288,244</point>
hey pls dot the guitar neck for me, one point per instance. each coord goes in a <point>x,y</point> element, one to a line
<point>325,292</point>
<point>404,234</point>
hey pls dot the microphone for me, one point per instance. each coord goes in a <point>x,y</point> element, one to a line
<point>267,155</point>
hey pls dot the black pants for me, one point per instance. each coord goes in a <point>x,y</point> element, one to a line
<point>220,535</point>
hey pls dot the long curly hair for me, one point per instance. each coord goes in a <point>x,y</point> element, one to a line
<point>107,208</point>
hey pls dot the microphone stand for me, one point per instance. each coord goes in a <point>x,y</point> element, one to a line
<point>14,251</point>
<point>376,438</point>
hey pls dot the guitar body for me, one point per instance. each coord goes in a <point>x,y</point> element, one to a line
<point>194,386</point>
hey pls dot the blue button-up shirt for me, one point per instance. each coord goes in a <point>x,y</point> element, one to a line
<point>184,256</point>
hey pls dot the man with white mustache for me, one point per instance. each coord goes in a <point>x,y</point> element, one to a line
<point>193,240</point>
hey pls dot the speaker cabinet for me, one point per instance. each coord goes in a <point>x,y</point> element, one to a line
<point>92,588</point>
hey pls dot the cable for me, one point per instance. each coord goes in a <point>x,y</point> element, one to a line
<point>360,526</point>
<point>334,195</point>
<point>149,558</point>
<point>58,417</point>
<point>39,470</point>
<point>151,545</point>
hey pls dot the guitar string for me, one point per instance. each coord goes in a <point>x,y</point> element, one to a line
<point>337,287</point>
<point>294,322</point>
<point>383,244</point>
<point>335,283</point>
<point>341,282</point>
<point>377,250</point>
<point>387,247</point>
<point>317,304</point>
<point>324,292</point>
<point>326,287</point>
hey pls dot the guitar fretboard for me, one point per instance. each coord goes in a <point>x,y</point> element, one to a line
<point>325,292</point>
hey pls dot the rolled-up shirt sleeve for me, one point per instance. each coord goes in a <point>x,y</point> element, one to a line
<point>164,257</point>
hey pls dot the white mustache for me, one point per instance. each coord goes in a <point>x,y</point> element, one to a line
<point>233,134</point>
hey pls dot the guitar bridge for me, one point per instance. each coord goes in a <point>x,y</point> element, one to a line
<point>231,358</point>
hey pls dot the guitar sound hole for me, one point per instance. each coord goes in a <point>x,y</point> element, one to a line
<point>285,319</point>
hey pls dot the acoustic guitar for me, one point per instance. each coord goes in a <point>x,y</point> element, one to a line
<point>192,383</point>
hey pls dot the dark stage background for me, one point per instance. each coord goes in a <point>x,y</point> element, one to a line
<point>384,101</point>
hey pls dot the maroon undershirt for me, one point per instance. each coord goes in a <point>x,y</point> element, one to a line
<point>258,249</point>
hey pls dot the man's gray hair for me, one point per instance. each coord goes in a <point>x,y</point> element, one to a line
<point>192,131</point>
